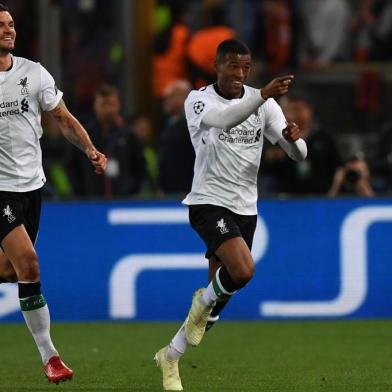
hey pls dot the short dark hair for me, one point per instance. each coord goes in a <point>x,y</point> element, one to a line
<point>231,46</point>
<point>4,8</point>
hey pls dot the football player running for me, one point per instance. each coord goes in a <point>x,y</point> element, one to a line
<point>227,121</point>
<point>27,88</point>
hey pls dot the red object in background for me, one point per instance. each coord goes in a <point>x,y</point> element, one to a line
<point>278,34</point>
<point>368,92</point>
<point>171,66</point>
<point>203,44</point>
<point>202,51</point>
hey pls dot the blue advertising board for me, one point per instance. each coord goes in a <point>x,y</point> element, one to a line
<point>142,261</point>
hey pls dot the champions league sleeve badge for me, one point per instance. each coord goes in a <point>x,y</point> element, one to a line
<point>198,107</point>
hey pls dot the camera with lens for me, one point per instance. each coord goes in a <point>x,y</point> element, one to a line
<point>352,176</point>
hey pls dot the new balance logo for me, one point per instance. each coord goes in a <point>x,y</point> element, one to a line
<point>25,105</point>
<point>221,225</point>
<point>8,213</point>
<point>258,134</point>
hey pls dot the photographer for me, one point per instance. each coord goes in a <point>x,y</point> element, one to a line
<point>353,178</point>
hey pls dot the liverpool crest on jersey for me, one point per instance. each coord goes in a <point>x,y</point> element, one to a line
<point>24,86</point>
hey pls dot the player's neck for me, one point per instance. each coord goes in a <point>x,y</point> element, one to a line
<point>225,95</point>
<point>5,62</point>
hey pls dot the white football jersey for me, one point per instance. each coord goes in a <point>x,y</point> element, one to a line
<point>25,90</point>
<point>227,161</point>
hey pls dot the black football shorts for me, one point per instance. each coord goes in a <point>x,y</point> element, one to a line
<point>216,225</point>
<point>20,208</point>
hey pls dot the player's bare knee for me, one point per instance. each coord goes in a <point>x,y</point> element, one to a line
<point>29,271</point>
<point>243,275</point>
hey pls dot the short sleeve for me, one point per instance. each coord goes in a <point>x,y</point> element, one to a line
<point>197,104</point>
<point>275,121</point>
<point>49,95</point>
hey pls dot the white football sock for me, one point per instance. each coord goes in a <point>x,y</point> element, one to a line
<point>209,297</point>
<point>38,322</point>
<point>178,345</point>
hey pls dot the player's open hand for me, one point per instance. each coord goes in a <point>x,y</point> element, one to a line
<point>292,132</point>
<point>277,87</point>
<point>98,160</point>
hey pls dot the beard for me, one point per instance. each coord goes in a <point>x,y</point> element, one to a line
<point>5,51</point>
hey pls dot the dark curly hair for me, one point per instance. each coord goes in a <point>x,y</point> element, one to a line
<point>4,8</point>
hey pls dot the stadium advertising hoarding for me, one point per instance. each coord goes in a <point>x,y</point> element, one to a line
<point>142,261</point>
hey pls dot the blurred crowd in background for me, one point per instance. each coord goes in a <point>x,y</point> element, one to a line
<point>340,52</point>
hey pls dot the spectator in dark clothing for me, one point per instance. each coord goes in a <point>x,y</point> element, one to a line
<point>313,176</point>
<point>177,157</point>
<point>382,162</point>
<point>372,30</point>
<point>126,166</point>
<point>142,128</point>
<point>274,34</point>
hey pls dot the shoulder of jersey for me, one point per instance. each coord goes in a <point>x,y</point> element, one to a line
<point>209,89</point>
<point>19,61</point>
<point>205,90</point>
<point>199,93</point>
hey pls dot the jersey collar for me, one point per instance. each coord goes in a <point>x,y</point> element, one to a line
<point>12,64</point>
<point>216,88</point>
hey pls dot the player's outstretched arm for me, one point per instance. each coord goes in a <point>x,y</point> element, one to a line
<point>292,144</point>
<point>74,132</point>
<point>238,113</point>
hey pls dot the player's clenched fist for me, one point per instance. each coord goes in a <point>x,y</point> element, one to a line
<point>292,132</point>
<point>277,87</point>
<point>98,160</point>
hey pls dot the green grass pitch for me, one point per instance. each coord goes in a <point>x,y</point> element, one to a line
<point>242,356</point>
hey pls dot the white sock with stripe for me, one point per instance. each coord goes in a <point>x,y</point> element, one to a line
<point>214,291</point>
<point>38,322</point>
<point>36,314</point>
